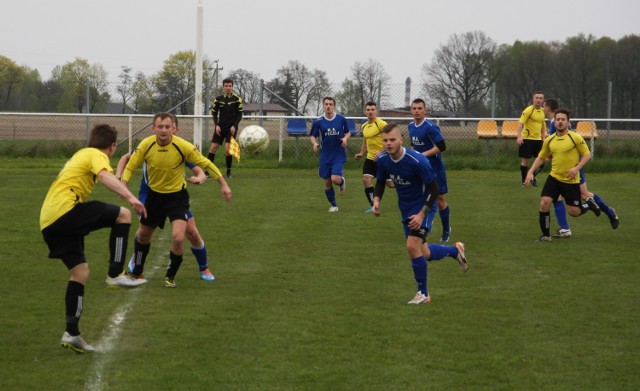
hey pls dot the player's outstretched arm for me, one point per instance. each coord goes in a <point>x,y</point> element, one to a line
<point>122,163</point>
<point>199,177</point>
<point>112,183</point>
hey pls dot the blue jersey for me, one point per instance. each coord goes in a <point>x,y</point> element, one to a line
<point>424,137</point>
<point>411,174</point>
<point>329,133</point>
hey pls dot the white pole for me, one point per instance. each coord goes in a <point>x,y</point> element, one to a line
<point>197,105</point>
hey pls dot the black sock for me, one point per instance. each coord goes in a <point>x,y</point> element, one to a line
<point>523,172</point>
<point>229,161</point>
<point>537,170</point>
<point>73,303</point>
<point>544,223</point>
<point>211,156</point>
<point>140,252</point>
<point>174,264</point>
<point>118,240</point>
<point>368,191</point>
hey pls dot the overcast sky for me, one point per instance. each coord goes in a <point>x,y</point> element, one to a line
<point>262,35</point>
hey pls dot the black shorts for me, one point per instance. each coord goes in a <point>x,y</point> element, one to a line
<point>65,237</point>
<point>159,206</point>
<point>530,148</point>
<point>370,168</point>
<point>225,135</point>
<point>553,188</point>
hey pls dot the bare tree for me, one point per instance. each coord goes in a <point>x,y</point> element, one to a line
<point>460,75</point>
<point>125,86</point>
<point>246,84</point>
<point>300,87</point>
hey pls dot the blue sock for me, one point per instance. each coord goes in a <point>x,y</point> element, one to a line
<point>439,251</point>
<point>331,196</point>
<point>201,256</point>
<point>419,266</point>
<point>444,216</point>
<point>431,216</point>
<point>561,214</point>
<point>604,207</point>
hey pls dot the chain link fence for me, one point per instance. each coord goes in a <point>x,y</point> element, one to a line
<point>469,143</point>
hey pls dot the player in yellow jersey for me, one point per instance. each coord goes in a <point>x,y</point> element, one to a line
<point>372,145</point>
<point>570,154</point>
<point>165,156</point>
<point>67,217</point>
<point>530,133</point>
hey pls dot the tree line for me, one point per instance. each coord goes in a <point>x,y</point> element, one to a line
<point>469,75</point>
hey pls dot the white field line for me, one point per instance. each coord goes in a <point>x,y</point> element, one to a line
<point>111,334</point>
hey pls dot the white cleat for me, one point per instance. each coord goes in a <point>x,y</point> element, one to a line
<point>125,280</point>
<point>461,258</point>
<point>420,298</point>
<point>76,343</point>
<point>343,186</point>
<point>333,209</point>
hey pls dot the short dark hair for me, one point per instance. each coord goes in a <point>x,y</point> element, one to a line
<point>102,136</point>
<point>389,127</point>
<point>329,98</point>
<point>227,80</point>
<point>419,100</point>
<point>563,110</point>
<point>370,103</point>
<point>538,93</point>
<point>552,104</point>
<point>163,115</point>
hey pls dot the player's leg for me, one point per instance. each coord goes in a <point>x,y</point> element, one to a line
<point>524,154</point>
<point>216,140</point>
<point>337,178</point>
<point>198,248</point>
<point>369,171</point>
<point>324,171</point>
<point>415,241</point>
<point>575,206</point>
<point>443,206</point>
<point>561,218</point>
<point>551,191</point>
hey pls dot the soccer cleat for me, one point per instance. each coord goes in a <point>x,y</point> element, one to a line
<point>461,258</point>
<point>343,186</point>
<point>206,275</point>
<point>562,233</point>
<point>534,182</point>
<point>543,239</point>
<point>420,298</point>
<point>76,343</point>
<point>369,210</point>
<point>333,209</point>
<point>125,280</point>
<point>593,206</point>
<point>445,236</point>
<point>132,264</point>
<point>613,218</point>
<point>169,283</point>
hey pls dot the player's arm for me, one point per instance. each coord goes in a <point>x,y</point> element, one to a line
<point>135,160</point>
<point>378,192</point>
<point>238,114</point>
<point>112,183</point>
<point>363,149</point>
<point>198,176</point>
<point>536,164</point>
<point>313,138</point>
<point>121,164</point>
<point>440,146</point>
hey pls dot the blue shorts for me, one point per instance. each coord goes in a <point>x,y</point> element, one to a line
<point>326,170</point>
<point>441,178</point>
<point>583,178</point>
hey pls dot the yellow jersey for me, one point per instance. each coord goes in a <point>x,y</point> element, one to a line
<point>567,151</point>
<point>532,121</point>
<point>73,184</point>
<point>165,164</point>
<point>372,133</point>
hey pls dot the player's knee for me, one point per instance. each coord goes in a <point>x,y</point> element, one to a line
<point>124,217</point>
<point>80,273</point>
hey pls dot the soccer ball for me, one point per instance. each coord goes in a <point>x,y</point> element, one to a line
<point>253,139</point>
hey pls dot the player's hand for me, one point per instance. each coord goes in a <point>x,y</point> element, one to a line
<point>195,180</point>
<point>528,179</point>
<point>415,221</point>
<point>572,173</point>
<point>139,207</point>
<point>344,142</point>
<point>376,209</point>
<point>519,141</point>
<point>316,148</point>
<point>358,156</point>
<point>233,131</point>
<point>225,191</point>
<point>218,130</point>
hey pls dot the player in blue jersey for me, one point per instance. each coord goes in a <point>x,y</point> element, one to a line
<point>417,187</point>
<point>550,106</point>
<point>198,247</point>
<point>329,135</point>
<point>427,139</point>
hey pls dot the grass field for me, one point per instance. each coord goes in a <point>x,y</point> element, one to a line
<point>311,300</point>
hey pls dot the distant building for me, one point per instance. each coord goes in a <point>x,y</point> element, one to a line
<point>253,109</point>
